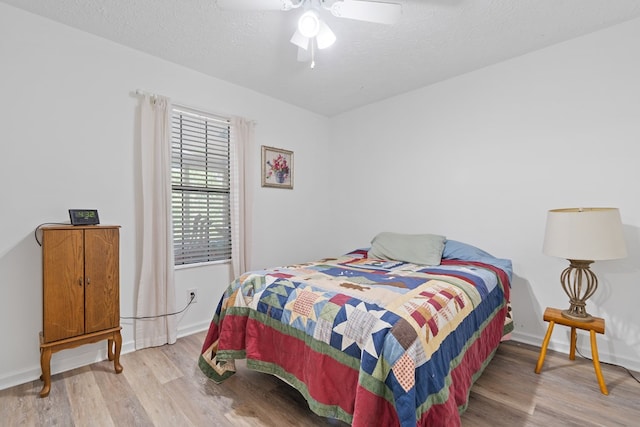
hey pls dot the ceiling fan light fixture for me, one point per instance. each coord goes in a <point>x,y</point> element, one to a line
<point>312,33</point>
<point>309,24</point>
<point>325,37</point>
<point>299,40</point>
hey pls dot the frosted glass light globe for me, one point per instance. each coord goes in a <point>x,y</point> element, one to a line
<point>309,24</point>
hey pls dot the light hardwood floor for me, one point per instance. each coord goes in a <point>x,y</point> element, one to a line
<point>164,387</point>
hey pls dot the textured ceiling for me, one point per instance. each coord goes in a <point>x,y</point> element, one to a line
<point>434,40</point>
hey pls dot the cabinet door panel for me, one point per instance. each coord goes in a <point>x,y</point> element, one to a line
<point>102,309</point>
<point>63,284</point>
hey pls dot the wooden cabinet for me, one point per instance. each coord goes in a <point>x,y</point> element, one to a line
<point>81,292</point>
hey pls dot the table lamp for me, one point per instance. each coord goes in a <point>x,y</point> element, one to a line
<point>582,236</point>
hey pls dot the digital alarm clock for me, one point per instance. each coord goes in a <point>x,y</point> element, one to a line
<point>84,216</point>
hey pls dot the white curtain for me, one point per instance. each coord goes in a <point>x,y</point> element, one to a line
<point>156,290</point>
<point>242,135</point>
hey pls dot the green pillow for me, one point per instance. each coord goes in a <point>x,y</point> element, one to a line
<point>423,249</point>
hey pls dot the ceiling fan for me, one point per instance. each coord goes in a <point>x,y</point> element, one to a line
<point>312,32</point>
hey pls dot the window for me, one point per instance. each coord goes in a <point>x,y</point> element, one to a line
<point>201,190</point>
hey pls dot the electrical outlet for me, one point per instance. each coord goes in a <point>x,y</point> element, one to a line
<point>192,293</point>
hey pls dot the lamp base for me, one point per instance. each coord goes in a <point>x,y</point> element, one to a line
<point>579,282</point>
<point>570,314</point>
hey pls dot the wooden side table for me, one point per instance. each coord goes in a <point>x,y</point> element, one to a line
<point>553,316</point>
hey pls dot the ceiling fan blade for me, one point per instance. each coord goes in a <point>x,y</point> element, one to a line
<point>371,11</point>
<point>256,4</point>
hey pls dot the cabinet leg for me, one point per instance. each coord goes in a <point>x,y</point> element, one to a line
<point>45,365</point>
<point>543,350</point>
<point>117,347</point>
<point>110,345</point>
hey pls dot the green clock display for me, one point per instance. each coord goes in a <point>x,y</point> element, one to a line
<point>84,216</point>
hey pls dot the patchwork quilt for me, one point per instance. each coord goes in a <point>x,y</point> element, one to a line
<point>366,341</point>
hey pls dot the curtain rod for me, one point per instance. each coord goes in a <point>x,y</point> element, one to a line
<point>145,93</point>
<point>141,92</point>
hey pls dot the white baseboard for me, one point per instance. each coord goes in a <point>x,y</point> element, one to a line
<point>85,355</point>
<point>88,354</point>
<point>95,353</point>
<point>193,328</point>
<point>583,346</point>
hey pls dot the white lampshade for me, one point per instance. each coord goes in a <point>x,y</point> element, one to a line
<point>584,234</point>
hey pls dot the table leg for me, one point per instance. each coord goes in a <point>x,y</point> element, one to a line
<point>596,363</point>
<point>572,348</point>
<point>543,350</point>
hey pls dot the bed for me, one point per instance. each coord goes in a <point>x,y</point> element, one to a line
<point>378,336</point>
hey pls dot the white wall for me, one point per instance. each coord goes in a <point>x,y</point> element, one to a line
<point>482,157</point>
<point>479,158</point>
<point>69,123</point>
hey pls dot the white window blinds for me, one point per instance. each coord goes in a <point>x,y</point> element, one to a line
<point>200,180</point>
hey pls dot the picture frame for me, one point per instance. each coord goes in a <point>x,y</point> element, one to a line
<point>277,167</point>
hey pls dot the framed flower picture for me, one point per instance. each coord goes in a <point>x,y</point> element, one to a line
<point>277,167</point>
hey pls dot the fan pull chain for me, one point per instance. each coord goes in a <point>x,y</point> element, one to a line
<point>313,54</point>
